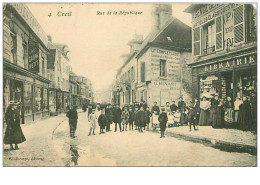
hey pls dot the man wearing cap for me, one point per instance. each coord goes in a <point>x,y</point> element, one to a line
<point>73,119</point>
<point>155,109</point>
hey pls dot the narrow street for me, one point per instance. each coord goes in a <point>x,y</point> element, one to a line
<point>129,148</point>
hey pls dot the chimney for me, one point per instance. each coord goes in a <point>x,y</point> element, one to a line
<point>160,14</point>
<point>49,38</point>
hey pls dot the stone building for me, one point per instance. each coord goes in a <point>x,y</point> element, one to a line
<point>224,50</point>
<point>24,62</point>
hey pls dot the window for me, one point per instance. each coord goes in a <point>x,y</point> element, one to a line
<point>196,41</point>
<point>251,23</point>
<point>209,33</point>
<point>25,55</point>
<point>132,74</point>
<point>43,67</point>
<point>239,24</point>
<point>14,48</point>
<point>162,67</point>
<point>128,76</point>
<point>143,72</point>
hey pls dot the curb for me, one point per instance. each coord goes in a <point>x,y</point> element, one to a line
<point>218,144</point>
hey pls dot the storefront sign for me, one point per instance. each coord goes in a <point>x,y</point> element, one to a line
<point>33,56</point>
<point>166,85</point>
<point>231,63</point>
<point>207,14</point>
<point>26,14</point>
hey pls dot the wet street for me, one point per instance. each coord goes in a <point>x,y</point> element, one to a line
<point>128,148</point>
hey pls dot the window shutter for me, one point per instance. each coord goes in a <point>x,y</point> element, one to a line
<point>219,33</point>
<point>196,42</point>
<point>142,72</point>
<point>239,30</point>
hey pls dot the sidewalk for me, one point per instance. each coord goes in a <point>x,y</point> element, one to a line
<point>227,139</point>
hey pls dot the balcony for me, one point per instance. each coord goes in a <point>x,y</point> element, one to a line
<point>209,50</point>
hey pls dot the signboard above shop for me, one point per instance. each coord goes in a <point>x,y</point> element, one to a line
<point>33,56</point>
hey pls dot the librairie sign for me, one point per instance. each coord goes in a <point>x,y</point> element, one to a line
<point>33,56</point>
<point>245,60</point>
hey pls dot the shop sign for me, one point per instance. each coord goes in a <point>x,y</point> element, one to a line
<point>166,85</point>
<point>231,63</point>
<point>33,56</point>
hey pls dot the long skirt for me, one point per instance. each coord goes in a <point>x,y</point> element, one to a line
<point>229,115</point>
<point>14,135</point>
<point>236,115</point>
<point>204,118</point>
<point>216,118</point>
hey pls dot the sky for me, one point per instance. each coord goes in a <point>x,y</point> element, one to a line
<point>97,41</point>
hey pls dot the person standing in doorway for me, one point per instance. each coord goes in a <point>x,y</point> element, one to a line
<point>204,112</point>
<point>13,133</point>
<point>117,117</point>
<point>73,119</point>
<point>92,122</point>
<point>163,119</point>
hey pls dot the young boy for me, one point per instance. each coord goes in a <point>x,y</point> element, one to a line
<point>177,118</point>
<point>192,118</point>
<point>102,121</point>
<point>93,122</point>
<point>163,119</point>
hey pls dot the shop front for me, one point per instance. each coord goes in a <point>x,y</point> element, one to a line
<point>232,75</point>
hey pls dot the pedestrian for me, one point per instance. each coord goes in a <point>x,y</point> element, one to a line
<point>204,112</point>
<point>177,118</point>
<point>131,118</point>
<point>215,112</point>
<point>140,119</point>
<point>173,107</point>
<point>237,103</point>
<point>168,109</point>
<point>73,119</point>
<point>197,111</point>
<point>102,121</point>
<point>155,109</point>
<point>181,107</point>
<point>135,112</point>
<point>125,118</point>
<point>90,107</point>
<point>192,118</point>
<point>93,122</point>
<point>109,116</point>
<point>117,117</point>
<point>245,119</point>
<point>84,107</point>
<point>148,116</point>
<point>229,112</point>
<point>163,119</point>
<point>98,110</point>
<point>13,133</point>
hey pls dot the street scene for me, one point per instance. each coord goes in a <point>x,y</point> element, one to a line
<point>129,85</point>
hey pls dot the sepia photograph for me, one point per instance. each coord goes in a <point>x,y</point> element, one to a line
<point>129,84</point>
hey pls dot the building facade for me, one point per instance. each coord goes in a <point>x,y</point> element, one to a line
<point>224,50</point>
<point>58,74</point>
<point>25,63</point>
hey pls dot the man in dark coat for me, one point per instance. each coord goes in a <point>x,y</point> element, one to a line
<point>140,119</point>
<point>182,107</point>
<point>117,117</point>
<point>155,109</point>
<point>131,118</point>
<point>245,119</point>
<point>102,121</point>
<point>197,111</point>
<point>148,116</point>
<point>173,107</point>
<point>13,132</point>
<point>163,119</point>
<point>109,116</point>
<point>73,119</point>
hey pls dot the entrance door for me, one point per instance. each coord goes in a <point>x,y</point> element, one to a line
<point>226,85</point>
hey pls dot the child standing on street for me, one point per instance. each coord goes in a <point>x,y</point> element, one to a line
<point>177,118</point>
<point>102,121</point>
<point>93,122</point>
<point>125,118</point>
<point>131,118</point>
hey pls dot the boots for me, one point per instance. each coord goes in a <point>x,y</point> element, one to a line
<point>11,147</point>
<point>16,147</point>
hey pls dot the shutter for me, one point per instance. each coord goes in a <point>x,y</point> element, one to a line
<point>196,42</point>
<point>239,30</point>
<point>219,33</point>
<point>142,72</point>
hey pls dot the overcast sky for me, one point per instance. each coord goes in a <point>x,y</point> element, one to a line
<point>96,41</point>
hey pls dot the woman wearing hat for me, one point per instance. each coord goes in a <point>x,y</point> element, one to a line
<point>13,132</point>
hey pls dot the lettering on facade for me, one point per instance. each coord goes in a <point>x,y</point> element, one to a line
<point>26,14</point>
<point>231,63</point>
<point>165,52</point>
<point>166,85</point>
<point>33,56</point>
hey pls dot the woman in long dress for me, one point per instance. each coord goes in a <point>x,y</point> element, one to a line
<point>215,112</point>
<point>204,113</point>
<point>13,132</point>
<point>229,112</point>
<point>245,119</point>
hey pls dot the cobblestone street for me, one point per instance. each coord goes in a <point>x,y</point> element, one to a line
<point>129,148</point>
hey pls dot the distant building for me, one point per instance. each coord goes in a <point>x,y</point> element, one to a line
<point>25,62</point>
<point>224,50</point>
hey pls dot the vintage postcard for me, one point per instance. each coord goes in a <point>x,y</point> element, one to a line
<point>136,84</point>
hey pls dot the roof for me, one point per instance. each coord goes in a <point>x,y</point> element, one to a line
<point>174,34</point>
<point>192,8</point>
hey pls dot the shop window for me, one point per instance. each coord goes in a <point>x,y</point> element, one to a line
<point>163,68</point>
<point>44,104</point>
<point>209,85</point>
<point>38,99</point>
<point>209,34</point>
<point>27,98</point>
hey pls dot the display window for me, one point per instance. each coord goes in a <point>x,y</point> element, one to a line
<point>208,86</point>
<point>27,98</point>
<point>38,99</point>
